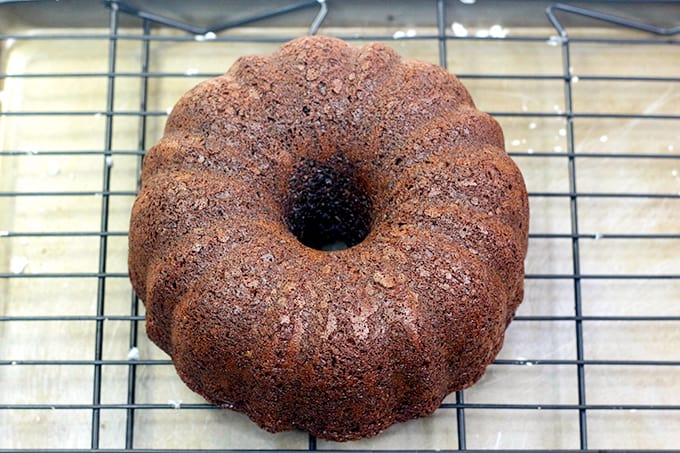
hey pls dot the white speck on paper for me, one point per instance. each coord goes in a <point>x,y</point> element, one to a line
<point>468,2</point>
<point>515,142</point>
<point>554,41</point>
<point>399,34</point>
<point>168,110</point>
<point>191,71</point>
<point>411,32</point>
<point>459,29</point>
<point>13,362</point>
<point>598,236</point>
<point>604,138</point>
<point>530,151</point>
<point>532,125</point>
<point>109,161</point>
<point>133,353</point>
<point>4,233</point>
<point>671,147</point>
<point>53,168</point>
<point>575,79</point>
<point>483,33</point>
<point>562,132</point>
<point>496,31</point>
<point>673,172</point>
<point>498,439</point>
<point>207,37</point>
<point>18,264</point>
<point>98,115</point>
<point>175,404</point>
<point>557,149</point>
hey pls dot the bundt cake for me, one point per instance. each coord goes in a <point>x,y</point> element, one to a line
<point>329,238</point>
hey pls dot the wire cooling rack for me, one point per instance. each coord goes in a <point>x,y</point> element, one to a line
<point>590,111</point>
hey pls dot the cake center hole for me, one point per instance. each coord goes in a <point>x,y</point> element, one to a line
<point>328,207</point>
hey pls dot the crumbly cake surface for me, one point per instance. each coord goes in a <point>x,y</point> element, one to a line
<point>262,171</point>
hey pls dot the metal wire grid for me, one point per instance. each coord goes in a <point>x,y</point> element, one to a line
<point>146,39</point>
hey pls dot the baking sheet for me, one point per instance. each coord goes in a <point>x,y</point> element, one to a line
<point>34,170</point>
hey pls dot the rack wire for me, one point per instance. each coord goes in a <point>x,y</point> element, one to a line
<point>582,363</point>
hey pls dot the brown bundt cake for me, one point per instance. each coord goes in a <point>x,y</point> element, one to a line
<point>329,238</point>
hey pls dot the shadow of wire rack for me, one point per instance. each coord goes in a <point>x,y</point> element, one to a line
<point>589,100</point>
